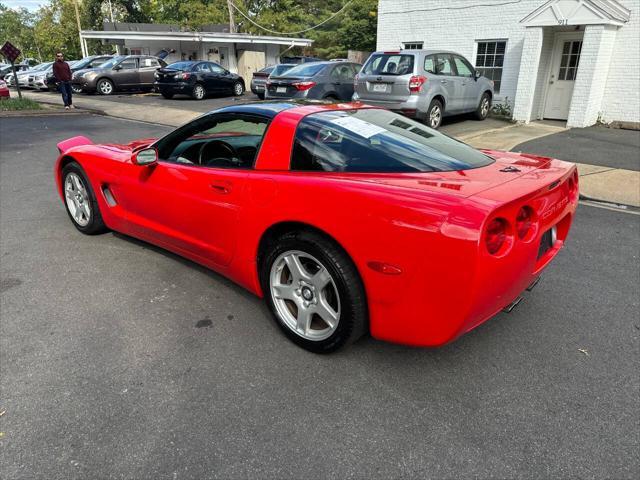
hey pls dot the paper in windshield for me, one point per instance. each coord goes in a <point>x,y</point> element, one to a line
<point>359,127</point>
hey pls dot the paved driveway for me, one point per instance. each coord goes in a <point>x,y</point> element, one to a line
<point>605,147</point>
<point>120,360</point>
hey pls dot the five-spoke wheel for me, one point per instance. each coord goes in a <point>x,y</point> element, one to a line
<point>80,200</point>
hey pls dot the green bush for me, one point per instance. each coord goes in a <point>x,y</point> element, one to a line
<point>12,104</point>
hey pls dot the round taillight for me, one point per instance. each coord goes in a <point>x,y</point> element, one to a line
<point>496,235</point>
<point>524,222</point>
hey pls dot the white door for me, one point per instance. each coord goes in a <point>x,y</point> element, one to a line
<point>564,69</point>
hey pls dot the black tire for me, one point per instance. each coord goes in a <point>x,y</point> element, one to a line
<point>238,89</point>
<point>353,321</point>
<point>332,98</point>
<point>433,118</point>
<point>104,86</point>
<point>76,89</point>
<point>260,96</point>
<point>198,92</point>
<point>95,224</point>
<point>484,107</point>
<point>168,96</point>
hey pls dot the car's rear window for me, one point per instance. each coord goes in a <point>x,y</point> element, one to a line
<point>377,141</point>
<point>181,65</point>
<point>304,70</point>
<point>280,69</point>
<point>389,64</point>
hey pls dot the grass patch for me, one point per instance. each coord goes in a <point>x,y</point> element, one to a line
<point>14,104</point>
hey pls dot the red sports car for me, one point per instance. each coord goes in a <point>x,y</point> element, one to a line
<point>346,218</point>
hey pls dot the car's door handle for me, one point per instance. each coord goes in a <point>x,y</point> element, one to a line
<point>444,82</point>
<point>222,187</point>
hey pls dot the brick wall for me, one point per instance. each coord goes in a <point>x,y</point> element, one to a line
<point>406,21</point>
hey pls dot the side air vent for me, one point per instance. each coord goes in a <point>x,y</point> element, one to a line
<point>108,196</point>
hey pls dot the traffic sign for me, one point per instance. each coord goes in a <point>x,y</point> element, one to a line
<point>10,51</point>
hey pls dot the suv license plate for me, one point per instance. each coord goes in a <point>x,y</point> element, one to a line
<point>379,87</point>
<point>281,90</point>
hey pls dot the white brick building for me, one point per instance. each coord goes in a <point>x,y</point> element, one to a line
<point>574,60</point>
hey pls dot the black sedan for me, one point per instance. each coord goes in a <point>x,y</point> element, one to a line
<point>197,79</point>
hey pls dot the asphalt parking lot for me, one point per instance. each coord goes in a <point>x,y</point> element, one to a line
<point>120,360</point>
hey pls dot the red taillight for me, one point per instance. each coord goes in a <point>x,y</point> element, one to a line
<point>416,82</point>
<point>302,86</point>
<point>524,222</point>
<point>184,76</point>
<point>496,235</point>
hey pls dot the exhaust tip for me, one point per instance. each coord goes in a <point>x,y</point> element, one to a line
<point>509,308</point>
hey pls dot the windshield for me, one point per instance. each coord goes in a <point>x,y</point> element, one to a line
<point>282,68</point>
<point>389,64</point>
<point>111,63</point>
<point>181,65</point>
<point>42,66</point>
<point>304,70</point>
<point>377,141</point>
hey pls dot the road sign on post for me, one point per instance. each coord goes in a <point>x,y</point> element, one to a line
<point>11,53</point>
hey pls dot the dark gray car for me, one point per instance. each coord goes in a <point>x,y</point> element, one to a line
<point>124,72</point>
<point>424,84</point>
<point>314,80</point>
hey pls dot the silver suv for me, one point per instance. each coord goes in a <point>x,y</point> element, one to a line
<point>424,84</point>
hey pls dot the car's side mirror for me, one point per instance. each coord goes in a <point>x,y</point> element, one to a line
<point>117,67</point>
<point>477,74</point>
<point>146,156</point>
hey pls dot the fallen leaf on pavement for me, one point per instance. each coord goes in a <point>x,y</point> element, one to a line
<point>584,350</point>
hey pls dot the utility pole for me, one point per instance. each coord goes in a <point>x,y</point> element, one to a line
<point>83,48</point>
<point>232,23</point>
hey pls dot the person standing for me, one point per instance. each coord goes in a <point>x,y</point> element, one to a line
<point>62,74</point>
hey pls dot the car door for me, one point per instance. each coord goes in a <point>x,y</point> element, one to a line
<point>223,79</point>
<point>189,206</point>
<point>205,75</point>
<point>147,70</point>
<point>468,84</point>
<point>451,84</point>
<point>125,74</point>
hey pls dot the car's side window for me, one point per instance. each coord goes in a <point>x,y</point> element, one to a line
<point>430,64</point>
<point>149,62</point>
<point>343,73</point>
<point>129,63</point>
<point>444,64</point>
<point>216,141</point>
<point>462,66</point>
<point>202,67</point>
<point>215,68</point>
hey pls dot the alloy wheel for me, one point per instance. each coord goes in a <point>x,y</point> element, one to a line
<point>435,116</point>
<point>77,199</point>
<point>238,89</point>
<point>105,87</point>
<point>198,92</point>
<point>484,107</point>
<point>305,295</point>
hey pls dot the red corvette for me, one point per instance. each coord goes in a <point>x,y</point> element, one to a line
<point>346,218</point>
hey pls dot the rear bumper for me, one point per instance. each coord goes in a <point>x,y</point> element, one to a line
<point>448,295</point>
<point>174,87</point>
<point>411,107</point>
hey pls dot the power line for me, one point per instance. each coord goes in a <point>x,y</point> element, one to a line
<point>290,33</point>
<point>461,7</point>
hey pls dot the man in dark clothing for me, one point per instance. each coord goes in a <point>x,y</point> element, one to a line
<point>62,74</point>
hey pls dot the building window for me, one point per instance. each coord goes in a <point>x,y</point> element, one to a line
<point>413,45</point>
<point>489,60</point>
<point>570,59</point>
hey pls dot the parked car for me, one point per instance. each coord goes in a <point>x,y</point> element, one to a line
<point>22,78</point>
<point>274,195</point>
<point>5,69</point>
<point>44,80</point>
<point>87,63</point>
<point>260,77</point>
<point>297,59</point>
<point>424,84</point>
<point>4,90</point>
<point>315,80</point>
<point>122,72</point>
<point>197,79</point>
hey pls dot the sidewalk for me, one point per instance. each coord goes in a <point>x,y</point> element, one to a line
<point>607,184</point>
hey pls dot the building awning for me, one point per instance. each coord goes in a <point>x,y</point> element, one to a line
<point>577,12</point>
<point>220,37</point>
